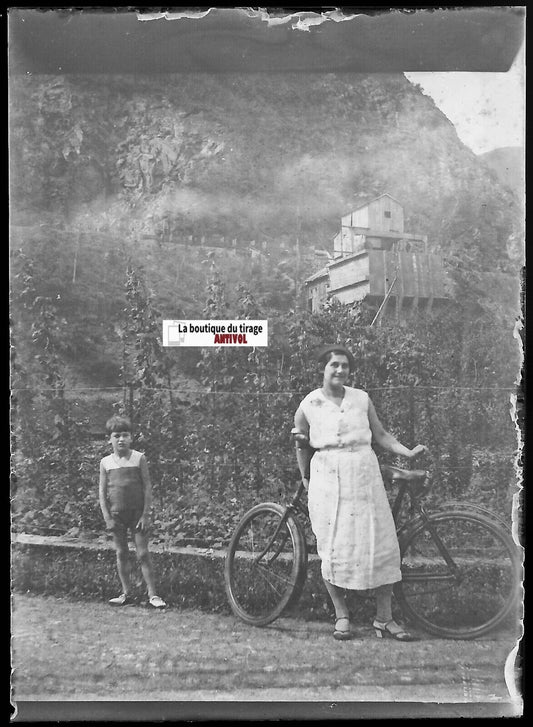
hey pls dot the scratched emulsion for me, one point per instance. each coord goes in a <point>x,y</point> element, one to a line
<point>183,133</point>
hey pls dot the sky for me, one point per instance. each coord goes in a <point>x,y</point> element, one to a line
<point>487,109</point>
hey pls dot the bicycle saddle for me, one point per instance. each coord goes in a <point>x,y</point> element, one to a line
<point>395,473</point>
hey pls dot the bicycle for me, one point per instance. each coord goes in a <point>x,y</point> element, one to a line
<point>460,565</point>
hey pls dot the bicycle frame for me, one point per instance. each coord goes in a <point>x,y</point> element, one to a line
<point>294,506</point>
<point>419,515</point>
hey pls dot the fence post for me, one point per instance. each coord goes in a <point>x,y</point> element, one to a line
<point>212,445</point>
<point>257,462</point>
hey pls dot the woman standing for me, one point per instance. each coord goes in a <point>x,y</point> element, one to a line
<point>348,506</point>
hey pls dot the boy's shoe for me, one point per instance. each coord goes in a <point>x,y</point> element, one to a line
<point>121,600</point>
<point>156,602</point>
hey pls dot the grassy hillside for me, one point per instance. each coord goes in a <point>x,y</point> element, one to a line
<point>153,170</point>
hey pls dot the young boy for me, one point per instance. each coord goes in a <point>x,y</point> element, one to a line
<point>125,494</point>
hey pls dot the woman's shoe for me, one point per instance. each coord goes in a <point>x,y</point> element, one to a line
<point>383,631</point>
<point>342,634</point>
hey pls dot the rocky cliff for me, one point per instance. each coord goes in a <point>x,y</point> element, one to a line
<point>508,164</point>
<point>246,155</point>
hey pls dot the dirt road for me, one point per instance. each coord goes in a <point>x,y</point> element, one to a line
<point>67,650</point>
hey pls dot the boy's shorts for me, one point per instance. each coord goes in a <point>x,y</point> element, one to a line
<point>124,520</point>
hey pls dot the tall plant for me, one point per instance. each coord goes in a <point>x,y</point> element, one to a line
<point>146,373</point>
<point>48,438</point>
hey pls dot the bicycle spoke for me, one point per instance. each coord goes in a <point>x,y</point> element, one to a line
<point>263,571</point>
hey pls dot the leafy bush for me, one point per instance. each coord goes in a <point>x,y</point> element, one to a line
<point>215,452</point>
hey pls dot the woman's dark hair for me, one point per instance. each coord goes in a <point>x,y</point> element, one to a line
<point>327,352</point>
<point>118,423</point>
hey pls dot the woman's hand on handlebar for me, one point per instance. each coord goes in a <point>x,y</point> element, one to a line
<point>417,450</point>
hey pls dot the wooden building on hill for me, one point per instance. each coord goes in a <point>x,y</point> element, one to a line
<point>375,259</point>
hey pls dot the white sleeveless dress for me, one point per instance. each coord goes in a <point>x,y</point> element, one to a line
<point>348,506</point>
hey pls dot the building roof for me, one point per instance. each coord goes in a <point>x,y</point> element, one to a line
<point>322,273</point>
<point>374,199</point>
<point>346,258</point>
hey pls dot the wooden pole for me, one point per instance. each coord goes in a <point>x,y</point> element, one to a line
<point>130,402</point>
<point>377,317</point>
<point>78,239</point>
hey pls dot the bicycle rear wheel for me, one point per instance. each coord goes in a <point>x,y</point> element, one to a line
<point>266,564</point>
<point>460,575</point>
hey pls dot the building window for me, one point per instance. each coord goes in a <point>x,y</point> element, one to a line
<point>387,214</point>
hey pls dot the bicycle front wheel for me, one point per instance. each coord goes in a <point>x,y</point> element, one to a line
<point>460,575</point>
<point>266,564</point>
